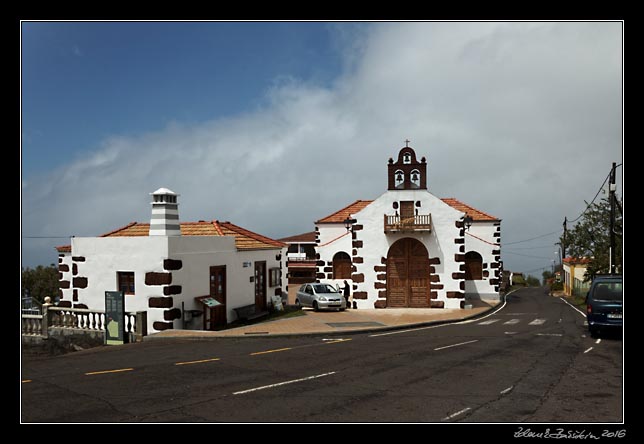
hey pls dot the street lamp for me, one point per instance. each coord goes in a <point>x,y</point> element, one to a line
<point>468,221</point>
<point>348,223</point>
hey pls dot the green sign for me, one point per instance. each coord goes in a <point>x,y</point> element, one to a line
<point>210,302</point>
<point>114,317</point>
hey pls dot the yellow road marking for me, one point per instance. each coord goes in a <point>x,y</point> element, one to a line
<point>336,341</point>
<point>196,362</point>
<point>26,380</point>
<point>109,371</point>
<point>270,351</point>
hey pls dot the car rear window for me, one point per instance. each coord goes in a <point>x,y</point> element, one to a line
<point>607,291</point>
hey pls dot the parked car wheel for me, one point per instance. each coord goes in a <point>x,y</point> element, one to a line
<point>593,332</point>
<point>315,306</point>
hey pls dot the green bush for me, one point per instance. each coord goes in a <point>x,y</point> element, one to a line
<point>556,286</point>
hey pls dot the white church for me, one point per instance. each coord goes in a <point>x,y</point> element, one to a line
<point>409,248</point>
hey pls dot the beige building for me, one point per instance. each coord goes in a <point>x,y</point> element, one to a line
<point>574,270</point>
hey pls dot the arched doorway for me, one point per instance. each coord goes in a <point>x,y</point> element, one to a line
<point>408,277</point>
<point>341,265</point>
<point>473,266</point>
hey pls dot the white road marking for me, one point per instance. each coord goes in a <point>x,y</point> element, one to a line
<point>588,350</point>
<point>549,334</point>
<point>454,415</point>
<point>488,322</point>
<point>598,341</point>
<point>455,345</point>
<point>335,341</point>
<point>503,392</point>
<point>512,322</point>
<point>308,378</point>
<point>197,362</point>
<point>537,322</point>
<point>510,332</point>
<point>467,321</point>
<point>573,307</point>
<point>103,372</point>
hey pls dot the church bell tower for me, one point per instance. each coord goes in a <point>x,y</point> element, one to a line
<point>407,173</point>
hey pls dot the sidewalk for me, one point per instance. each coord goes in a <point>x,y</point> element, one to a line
<point>348,321</point>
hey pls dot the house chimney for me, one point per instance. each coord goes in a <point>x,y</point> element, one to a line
<point>165,213</point>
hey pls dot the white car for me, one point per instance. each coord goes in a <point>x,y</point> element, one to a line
<point>320,297</point>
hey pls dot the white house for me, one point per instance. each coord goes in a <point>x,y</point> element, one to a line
<point>409,248</point>
<point>170,268</point>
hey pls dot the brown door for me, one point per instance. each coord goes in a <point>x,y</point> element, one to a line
<point>260,285</point>
<point>408,274</point>
<point>407,212</point>
<point>218,292</point>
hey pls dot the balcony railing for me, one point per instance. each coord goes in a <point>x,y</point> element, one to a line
<point>419,222</point>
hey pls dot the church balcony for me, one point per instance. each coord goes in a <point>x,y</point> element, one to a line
<point>417,223</point>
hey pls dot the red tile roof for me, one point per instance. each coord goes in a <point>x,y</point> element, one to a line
<point>300,238</point>
<point>351,209</point>
<point>247,240</point>
<point>244,239</point>
<point>576,261</point>
<point>339,216</point>
<point>470,211</point>
<point>64,248</point>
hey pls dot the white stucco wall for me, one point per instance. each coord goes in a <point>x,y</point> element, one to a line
<point>334,238</point>
<point>105,256</point>
<point>439,242</point>
<point>480,238</point>
<point>199,253</point>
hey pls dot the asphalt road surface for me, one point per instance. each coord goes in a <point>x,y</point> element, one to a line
<point>532,361</point>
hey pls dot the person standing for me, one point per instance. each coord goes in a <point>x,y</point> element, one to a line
<point>347,292</point>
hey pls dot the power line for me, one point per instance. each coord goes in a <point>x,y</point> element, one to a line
<point>598,191</point>
<point>525,255</point>
<point>529,248</point>
<point>533,238</point>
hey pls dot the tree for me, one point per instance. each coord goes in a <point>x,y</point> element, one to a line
<point>590,238</point>
<point>532,281</point>
<point>40,282</point>
<point>547,275</point>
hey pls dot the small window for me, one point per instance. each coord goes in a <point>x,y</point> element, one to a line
<point>125,281</point>
<point>274,277</point>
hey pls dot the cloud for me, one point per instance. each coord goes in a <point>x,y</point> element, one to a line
<point>521,120</point>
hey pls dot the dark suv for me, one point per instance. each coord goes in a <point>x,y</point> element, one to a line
<point>604,303</point>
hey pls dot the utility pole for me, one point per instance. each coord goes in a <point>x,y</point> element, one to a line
<point>611,196</point>
<point>563,244</point>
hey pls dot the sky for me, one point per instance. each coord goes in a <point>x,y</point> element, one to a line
<point>273,125</point>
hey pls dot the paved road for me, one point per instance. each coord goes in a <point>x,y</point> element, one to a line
<point>531,361</point>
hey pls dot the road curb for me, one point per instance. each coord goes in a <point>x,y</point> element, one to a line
<point>412,326</point>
